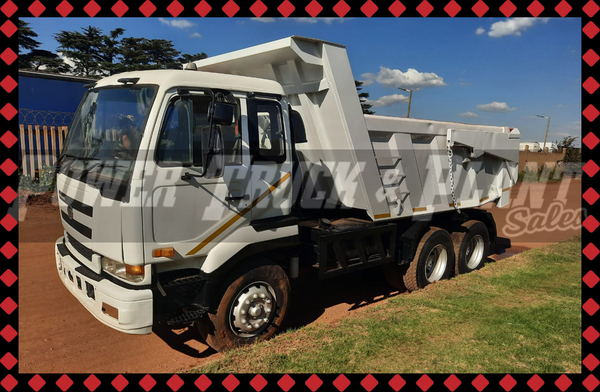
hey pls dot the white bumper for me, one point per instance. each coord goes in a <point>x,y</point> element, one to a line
<point>123,309</point>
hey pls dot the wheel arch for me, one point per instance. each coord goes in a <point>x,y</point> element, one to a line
<point>233,257</point>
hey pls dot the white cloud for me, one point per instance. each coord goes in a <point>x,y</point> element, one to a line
<point>469,115</point>
<point>306,20</point>
<point>334,20</point>
<point>560,105</point>
<point>367,82</point>
<point>264,20</point>
<point>388,100</point>
<point>562,134</point>
<point>575,127</point>
<point>513,26</point>
<point>177,23</point>
<point>410,79</point>
<point>495,107</point>
<point>65,59</point>
<point>195,35</point>
<point>480,31</point>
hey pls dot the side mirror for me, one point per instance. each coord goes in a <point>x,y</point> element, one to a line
<point>223,113</point>
<point>213,160</point>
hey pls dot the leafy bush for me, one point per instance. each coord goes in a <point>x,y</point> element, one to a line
<point>543,174</point>
<point>46,182</point>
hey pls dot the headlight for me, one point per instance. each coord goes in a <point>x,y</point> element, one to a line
<point>132,273</point>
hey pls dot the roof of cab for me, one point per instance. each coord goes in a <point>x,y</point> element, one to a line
<point>187,78</point>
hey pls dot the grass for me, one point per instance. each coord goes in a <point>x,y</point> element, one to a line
<point>519,315</point>
<point>546,174</point>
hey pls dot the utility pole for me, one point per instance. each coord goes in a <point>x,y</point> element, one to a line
<point>547,128</point>
<point>409,99</point>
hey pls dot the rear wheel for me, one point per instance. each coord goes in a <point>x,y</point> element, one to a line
<point>433,261</point>
<point>471,246</point>
<point>251,309</point>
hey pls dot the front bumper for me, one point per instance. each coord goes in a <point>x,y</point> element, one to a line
<point>126,310</point>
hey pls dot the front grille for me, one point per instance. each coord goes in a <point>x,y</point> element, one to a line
<point>81,228</point>
<point>77,205</point>
<point>79,247</point>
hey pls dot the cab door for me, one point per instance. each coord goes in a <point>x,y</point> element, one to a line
<point>183,209</point>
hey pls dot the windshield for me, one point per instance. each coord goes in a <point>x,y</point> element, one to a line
<point>104,138</point>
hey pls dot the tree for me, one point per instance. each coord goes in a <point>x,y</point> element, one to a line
<point>572,153</point>
<point>161,54</point>
<point>366,108</point>
<point>25,37</point>
<point>142,53</point>
<point>37,59</point>
<point>44,60</point>
<point>26,41</point>
<point>189,58</point>
<point>92,51</point>
<point>96,53</point>
<point>567,142</point>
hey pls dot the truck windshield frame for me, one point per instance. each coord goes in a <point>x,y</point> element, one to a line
<point>103,141</point>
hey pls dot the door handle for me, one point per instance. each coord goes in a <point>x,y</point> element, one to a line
<point>237,197</point>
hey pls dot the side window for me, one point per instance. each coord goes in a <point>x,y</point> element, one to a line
<point>232,139</point>
<point>266,131</point>
<point>174,146</point>
<point>180,143</point>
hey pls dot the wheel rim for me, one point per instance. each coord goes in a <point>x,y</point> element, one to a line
<point>435,264</point>
<point>253,310</point>
<point>474,252</point>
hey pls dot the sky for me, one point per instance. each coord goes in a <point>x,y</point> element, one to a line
<point>491,71</point>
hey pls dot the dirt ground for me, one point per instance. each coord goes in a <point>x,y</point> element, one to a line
<point>57,335</point>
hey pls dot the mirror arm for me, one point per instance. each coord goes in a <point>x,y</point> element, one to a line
<point>187,176</point>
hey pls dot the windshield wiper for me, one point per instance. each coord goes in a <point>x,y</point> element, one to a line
<point>60,160</point>
<point>102,165</point>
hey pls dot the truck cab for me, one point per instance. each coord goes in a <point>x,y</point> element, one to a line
<point>151,175</point>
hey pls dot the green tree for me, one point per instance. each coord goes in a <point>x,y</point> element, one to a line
<point>92,51</point>
<point>572,153</point>
<point>189,58</point>
<point>37,59</point>
<point>366,108</point>
<point>161,54</point>
<point>26,37</point>
<point>44,60</point>
<point>26,41</point>
<point>142,53</point>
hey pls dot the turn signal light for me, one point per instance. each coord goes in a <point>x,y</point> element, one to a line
<point>134,269</point>
<point>163,252</point>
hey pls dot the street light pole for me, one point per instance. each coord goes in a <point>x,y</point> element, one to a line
<point>547,128</point>
<point>409,99</point>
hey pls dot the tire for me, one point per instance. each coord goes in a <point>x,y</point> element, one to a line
<point>252,308</point>
<point>394,276</point>
<point>471,246</point>
<point>433,261</point>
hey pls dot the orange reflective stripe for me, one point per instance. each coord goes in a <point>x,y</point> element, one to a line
<point>234,219</point>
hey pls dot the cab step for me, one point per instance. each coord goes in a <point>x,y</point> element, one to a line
<point>186,317</point>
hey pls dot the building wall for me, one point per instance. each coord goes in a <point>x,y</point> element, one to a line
<point>42,92</point>
<point>535,160</point>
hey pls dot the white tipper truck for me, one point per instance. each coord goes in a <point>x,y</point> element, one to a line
<point>199,194</point>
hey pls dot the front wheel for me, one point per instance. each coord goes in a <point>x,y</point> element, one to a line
<point>251,309</point>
